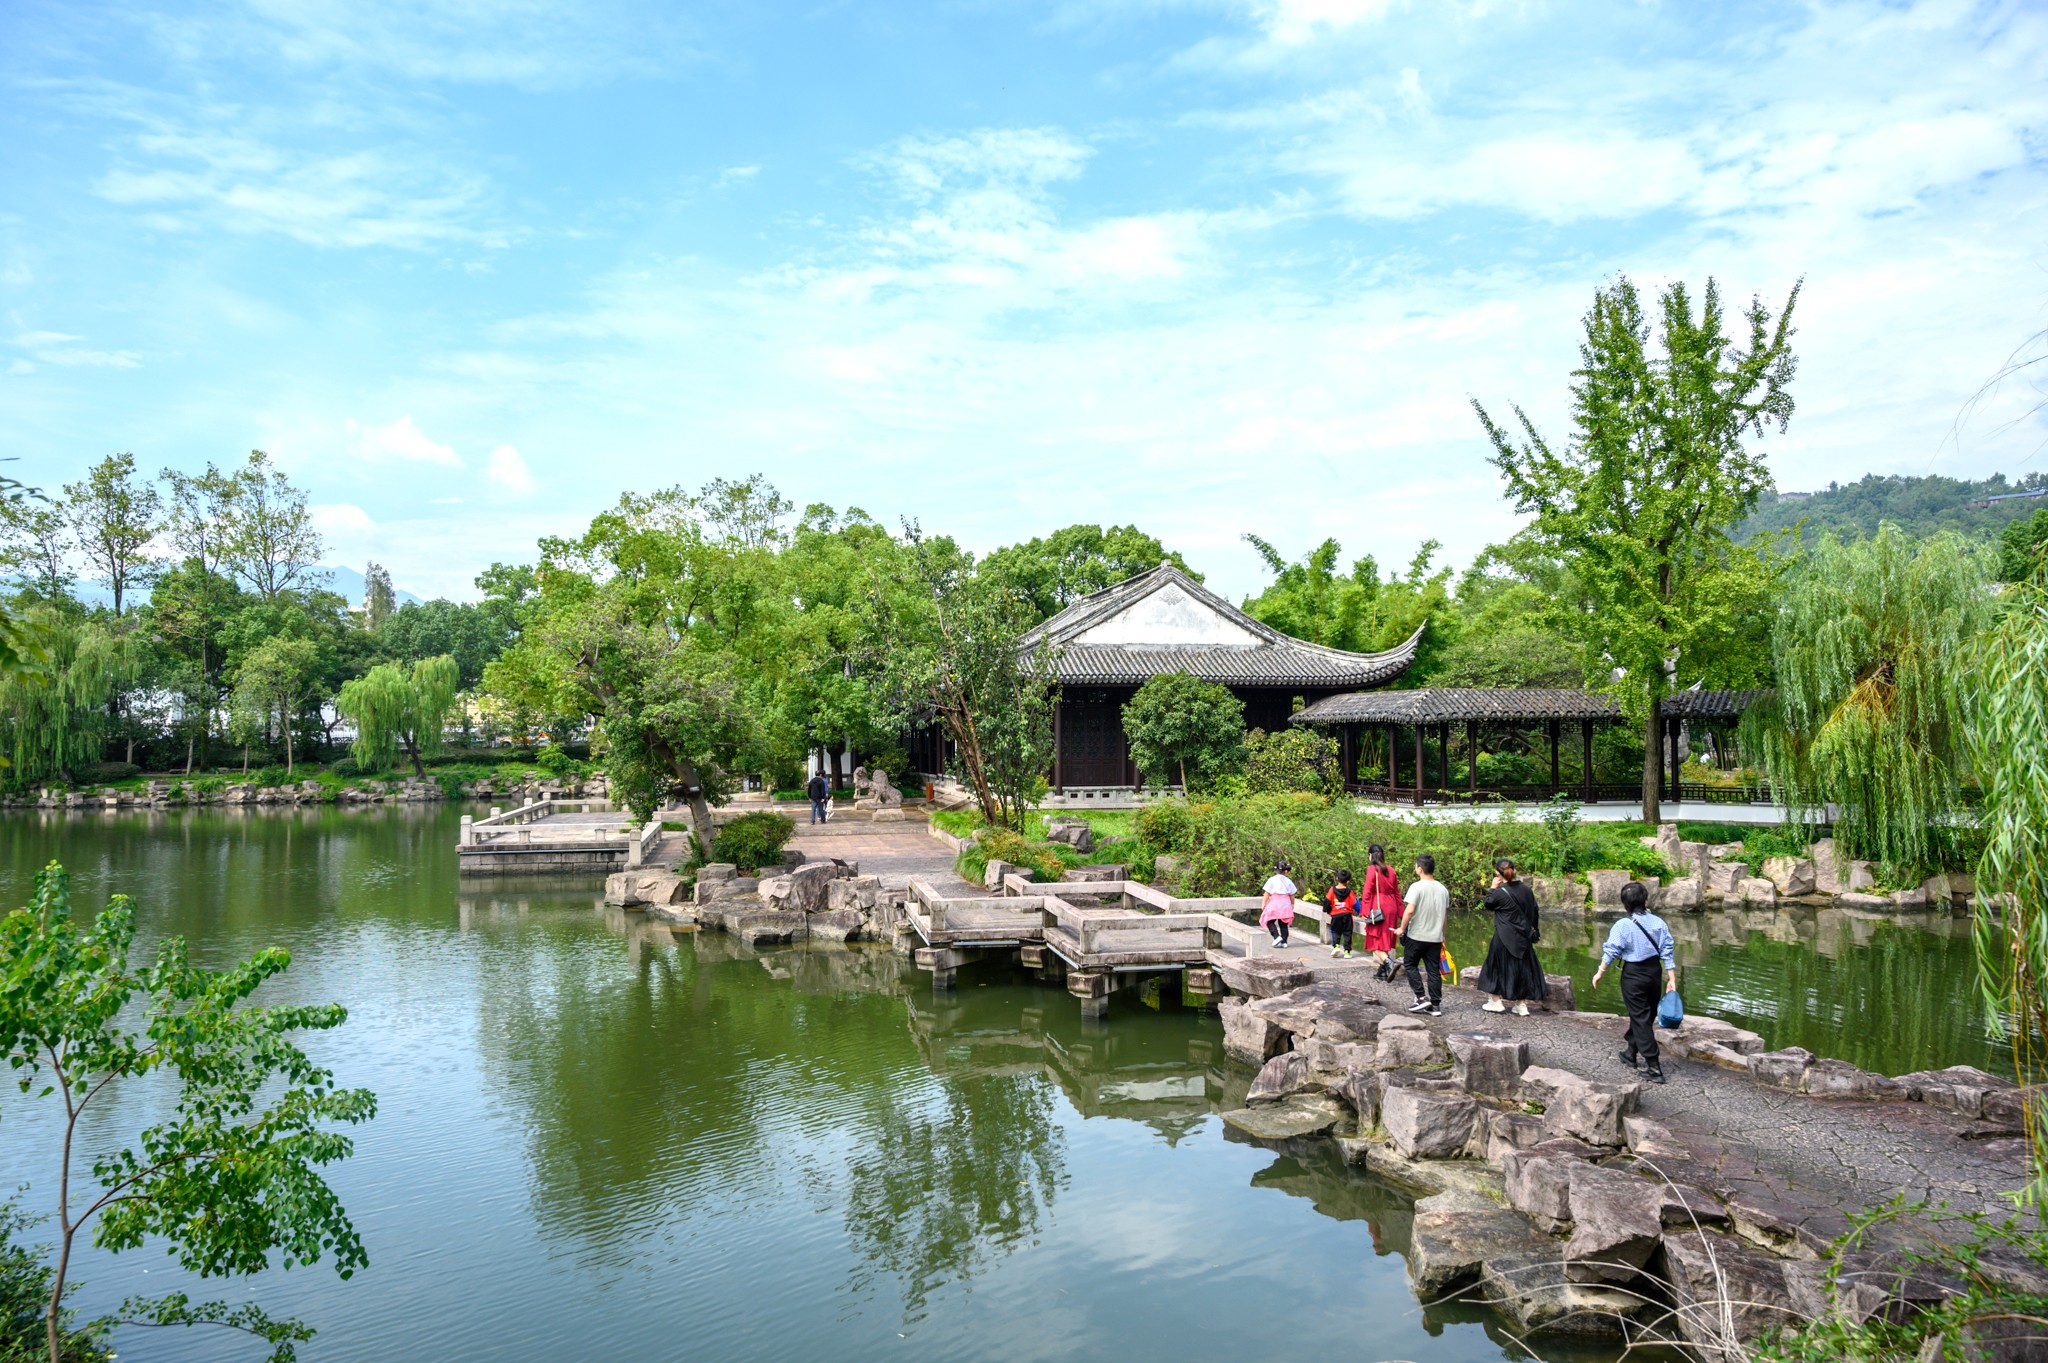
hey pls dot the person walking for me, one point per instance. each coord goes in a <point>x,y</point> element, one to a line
<point>1639,941</point>
<point>1277,912</point>
<point>1511,972</point>
<point>1379,905</point>
<point>1426,912</point>
<point>820,790</point>
<point>1343,911</point>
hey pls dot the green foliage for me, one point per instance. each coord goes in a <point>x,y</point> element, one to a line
<point>227,1173</point>
<point>1296,758</point>
<point>2023,547</point>
<point>1870,644</point>
<point>396,707</point>
<point>1184,731</point>
<point>1044,861</point>
<point>1606,846</point>
<point>753,840</point>
<point>1356,611</point>
<point>472,634</point>
<point>1077,561</point>
<point>1636,508</point>
<point>555,762</point>
<point>1168,825</point>
<point>25,1283</point>
<point>2008,737</point>
<point>1989,1269</point>
<point>53,718</point>
<point>1561,826</point>
<point>1921,506</point>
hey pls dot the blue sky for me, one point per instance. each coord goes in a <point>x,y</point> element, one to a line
<point>468,270</point>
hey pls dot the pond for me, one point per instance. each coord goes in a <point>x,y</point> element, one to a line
<point>600,1140</point>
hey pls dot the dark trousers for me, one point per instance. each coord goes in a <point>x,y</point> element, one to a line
<point>1429,957</point>
<point>1277,930</point>
<point>817,811</point>
<point>1642,987</point>
<point>1340,930</point>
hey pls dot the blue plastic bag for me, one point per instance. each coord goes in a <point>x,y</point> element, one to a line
<point>1670,1012</point>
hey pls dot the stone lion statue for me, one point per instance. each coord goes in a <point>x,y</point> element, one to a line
<point>872,790</point>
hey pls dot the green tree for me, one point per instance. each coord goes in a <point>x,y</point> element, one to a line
<point>1183,728</point>
<point>947,642</point>
<point>1294,759</point>
<point>1871,643</point>
<point>2023,547</point>
<point>468,633</point>
<point>1355,611</point>
<point>35,547</point>
<point>379,600</point>
<point>190,609</point>
<point>113,519</point>
<point>2008,739</point>
<point>275,681</point>
<point>395,707</point>
<point>1077,560</point>
<point>230,1174</point>
<point>54,716</point>
<point>268,540</point>
<point>1637,507</point>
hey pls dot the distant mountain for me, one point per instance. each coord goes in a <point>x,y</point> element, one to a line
<point>349,582</point>
<point>1918,505</point>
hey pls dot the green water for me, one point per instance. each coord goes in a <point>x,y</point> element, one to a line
<point>602,1141</point>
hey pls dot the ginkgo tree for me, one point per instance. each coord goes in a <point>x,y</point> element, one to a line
<point>229,1178</point>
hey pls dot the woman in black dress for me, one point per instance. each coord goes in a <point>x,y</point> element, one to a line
<point>1512,974</point>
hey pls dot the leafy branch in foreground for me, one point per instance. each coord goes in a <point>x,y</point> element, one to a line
<point>231,1174</point>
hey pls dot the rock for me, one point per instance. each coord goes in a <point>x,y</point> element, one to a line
<point>1456,1234</point>
<point>1281,1077</point>
<point>890,815</point>
<point>1306,1114</point>
<point>767,927</point>
<point>1325,1009</point>
<point>1407,1041</point>
<point>1247,1036</point>
<point>1558,892</point>
<point>1785,1069</point>
<point>1360,1088</point>
<point>1581,1108</point>
<point>1868,903</point>
<point>1537,1181</point>
<point>1724,879</point>
<point>1680,896</point>
<point>1426,1125</point>
<point>1558,994</point>
<point>1259,977</point>
<point>1667,845</point>
<point>1839,1079</point>
<point>1606,886</point>
<point>1719,1285</point>
<point>1652,1140</point>
<point>1534,1291</point>
<point>1698,1028</point>
<point>1791,876</point>
<point>1910,901</point>
<point>992,875</point>
<point>1756,890</point>
<point>1827,877</point>
<point>1861,877</point>
<point>1616,1225</point>
<point>1948,887</point>
<point>835,925</point>
<point>1095,875</point>
<point>1334,1059</point>
<point>1489,1064</point>
<point>1714,1053</point>
<point>803,889</point>
<point>1075,833</point>
<point>1959,1088</point>
<point>1501,1132</point>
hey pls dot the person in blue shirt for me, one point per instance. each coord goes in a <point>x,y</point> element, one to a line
<point>1639,941</point>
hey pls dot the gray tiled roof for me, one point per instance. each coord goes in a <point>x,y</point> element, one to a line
<point>1443,704</point>
<point>1276,660</point>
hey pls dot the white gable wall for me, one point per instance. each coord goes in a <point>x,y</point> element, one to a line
<point>1168,618</point>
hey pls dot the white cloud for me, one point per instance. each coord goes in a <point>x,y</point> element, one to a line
<point>402,441</point>
<point>506,469</point>
<point>344,522</point>
<point>56,347</point>
<point>738,174</point>
<point>1293,22</point>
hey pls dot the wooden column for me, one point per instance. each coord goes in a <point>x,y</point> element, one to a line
<point>1471,755</point>
<point>1419,768</point>
<point>1671,726</point>
<point>1058,752</point>
<point>1586,772</point>
<point>1555,780</point>
<point>1348,756</point>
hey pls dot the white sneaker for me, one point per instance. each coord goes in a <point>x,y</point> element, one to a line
<point>1521,1010</point>
<point>1420,1006</point>
<point>1493,1006</point>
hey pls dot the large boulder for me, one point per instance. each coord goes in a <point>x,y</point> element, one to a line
<point>803,889</point>
<point>1075,833</point>
<point>1791,876</point>
<point>1616,1225</point>
<point>1558,892</point>
<point>1698,1028</point>
<point>1558,994</point>
<point>767,927</point>
<point>1456,1234</point>
<point>1757,890</point>
<point>1827,872</point>
<point>1722,1286</point>
<point>1537,1179</point>
<point>1488,1063</point>
<point>1784,1069</point>
<point>1580,1108</point>
<point>1606,887</point>
<point>1406,1041</point>
<point>1248,1037</point>
<point>1501,1132</point>
<point>1259,977</point>
<point>1425,1125</point>
<point>1281,1077</point>
<point>1959,1088</point>
<point>1683,895</point>
<point>1304,1115</point>
<point>1326,1010</point>
<point>634,889</point>
<point>835,925</point>
<point>1910,901</point>
<point>1840,1079</point>
<point>1724,879</point>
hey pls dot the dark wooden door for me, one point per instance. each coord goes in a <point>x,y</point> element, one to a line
<point>1091,742</point>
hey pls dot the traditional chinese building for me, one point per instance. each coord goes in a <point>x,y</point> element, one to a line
<point>1109,643</point>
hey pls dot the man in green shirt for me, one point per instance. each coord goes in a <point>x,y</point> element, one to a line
<point>1426,909</point>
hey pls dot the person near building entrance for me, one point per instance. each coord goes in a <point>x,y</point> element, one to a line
<point>820,790</point>
<point>1426,913</point>
<point>1639,942</point>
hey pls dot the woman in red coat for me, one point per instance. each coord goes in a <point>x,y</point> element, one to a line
<point>1379,905</point>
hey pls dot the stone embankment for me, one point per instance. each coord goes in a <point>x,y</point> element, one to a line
<point>1577,1199</point>
<point>406,790</point>
<point>827,900</point>
<point>1708,874</point>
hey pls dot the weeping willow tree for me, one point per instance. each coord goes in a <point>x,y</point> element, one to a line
<point>394,706</point>
<point>54,717</point>
<point>1870,646</point>
<point>2008,734</point>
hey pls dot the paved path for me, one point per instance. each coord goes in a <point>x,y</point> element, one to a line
<point>895,852</point>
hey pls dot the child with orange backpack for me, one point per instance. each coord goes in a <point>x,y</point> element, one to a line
<point>1343,912</point>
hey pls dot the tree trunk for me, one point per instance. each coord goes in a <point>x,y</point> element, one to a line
<point>287,749</point>
<point>1653,763</point>
<point>412,750</point>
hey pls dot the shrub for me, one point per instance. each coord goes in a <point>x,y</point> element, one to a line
<point>1604,846</point>
<point>273,775</point>
<point>347,769</point>
<point>1292,759</point>
<point>1044,860</point>
<point>106,773</point>
<point>555,762</point>
<point>1167,825</point>
<point>753,840</point>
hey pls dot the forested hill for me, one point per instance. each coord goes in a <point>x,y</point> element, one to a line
<point>1920,506</point>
